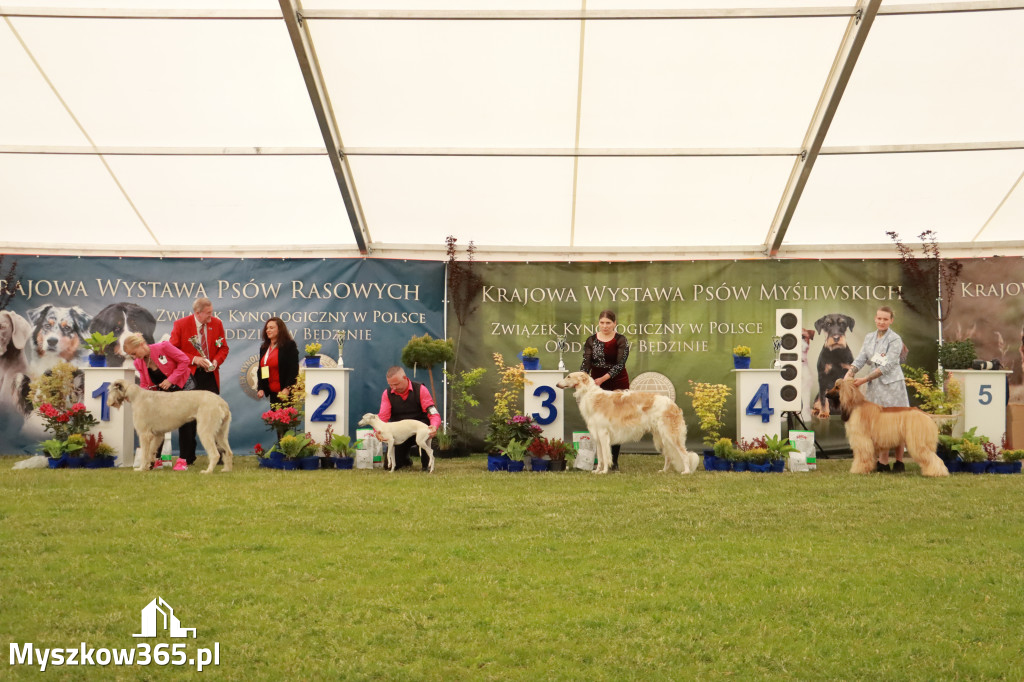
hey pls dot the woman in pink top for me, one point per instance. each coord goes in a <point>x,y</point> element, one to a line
<point>161,366</point>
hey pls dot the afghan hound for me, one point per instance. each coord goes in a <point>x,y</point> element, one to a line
<point>871,429</point>
<point>621,416</point>
<point>155,413</point>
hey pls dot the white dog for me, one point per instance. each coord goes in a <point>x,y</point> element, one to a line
<point>621,416</point>
<point>15,332</point>
<point>399,432</point>
<point>155,413</point>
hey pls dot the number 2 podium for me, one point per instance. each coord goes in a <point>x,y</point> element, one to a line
<point>326,401</point>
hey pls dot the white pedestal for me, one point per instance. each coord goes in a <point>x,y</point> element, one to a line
<point>545,402</point>
<point>115,423</point>
<point>326,401</point>
<point>755,392</point>
<point>984,402</point>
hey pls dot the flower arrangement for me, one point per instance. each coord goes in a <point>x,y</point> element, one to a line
<point>63,423</point>
<point>98,343</point>
<point>530,352</point>
<point>281,419</point>
<point>297,446</point>
<point>312,349</point>
<point>741,351</point>
<point>519,428</point>
<point>338,445</point>
<point>552,449</point>
<point>709,405</point>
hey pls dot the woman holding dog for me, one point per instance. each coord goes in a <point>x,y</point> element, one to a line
<point>279,361</point>
<point>604,359</point>
<point>883,351</point>
<point>161,366</point>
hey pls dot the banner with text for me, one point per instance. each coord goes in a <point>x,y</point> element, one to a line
<point>684,318</point>
<point>376,305</point>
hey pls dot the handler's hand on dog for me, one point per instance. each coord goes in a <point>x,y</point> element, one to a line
<point>165,384</point>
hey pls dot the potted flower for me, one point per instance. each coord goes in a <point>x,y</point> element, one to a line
<point>313,354</point>
<point>741,357</point>
<point>281,420</point>
<point>973,456</point>
<point>758,460</point>
<point>295,448</point>
<point>73,447</point>
<point>99,455</point>
<point>1009,462</point>
<point>98,343</point>
<point>53,448</point>
<point>958,354</point>
<point>708,402</point>
<point>530,359</point>
<point>557,450</point>
<point>721,457</point>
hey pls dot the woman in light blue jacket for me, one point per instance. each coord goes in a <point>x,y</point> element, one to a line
<point>883,351</point>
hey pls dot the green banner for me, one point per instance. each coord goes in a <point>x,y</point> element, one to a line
<point>682,318</point>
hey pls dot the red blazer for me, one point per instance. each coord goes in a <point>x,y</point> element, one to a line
<point>216,342</point>
<point>171,361</point>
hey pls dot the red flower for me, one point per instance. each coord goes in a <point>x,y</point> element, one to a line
<point>63,418</point>
<point>258,449</point>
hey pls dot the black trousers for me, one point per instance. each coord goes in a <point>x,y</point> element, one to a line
<point>404,452</point>
<point>205,381</point>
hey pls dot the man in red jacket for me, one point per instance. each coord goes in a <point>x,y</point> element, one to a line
<point>201,337</point>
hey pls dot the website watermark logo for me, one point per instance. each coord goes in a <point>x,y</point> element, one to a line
<point>157,619</point>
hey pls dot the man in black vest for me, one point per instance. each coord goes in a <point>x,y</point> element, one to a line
<point>407,399</point>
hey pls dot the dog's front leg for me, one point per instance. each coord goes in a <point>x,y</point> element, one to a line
<point>391,453</point>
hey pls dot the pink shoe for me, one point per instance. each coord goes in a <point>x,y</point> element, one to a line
<point>180,465</point>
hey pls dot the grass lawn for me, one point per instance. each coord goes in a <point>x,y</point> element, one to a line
<point>470,575</point>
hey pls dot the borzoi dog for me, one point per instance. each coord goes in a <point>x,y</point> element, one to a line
<point>622,416</point>
<point>399,432</point>
<point>155,413</point>
<point>871,428</point>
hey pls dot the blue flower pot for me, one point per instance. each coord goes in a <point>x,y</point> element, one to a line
<point>722,464</point>
<point>1005,467</point>
<point>976,467</point>
<point>778,466</point>
<point>516,466</point>
<point>740,363</point>
<point>75,462</point>
<point>267,463</point>
<point>497,463</point>
<point>740,466</point>
<point>760,468</point>
<point>275,456</point>
<point>57,462</point>
<point>97,360</point>
<point>531,363</point>
<point>953,465</point>
<point>290,464</point>
<point>710,461</point>
<point>540,464</point>
<point>309,463</point>
<point>343,462</point>
<point>313,362</point>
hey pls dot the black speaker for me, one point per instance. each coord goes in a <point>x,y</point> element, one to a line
<point>788,327</point>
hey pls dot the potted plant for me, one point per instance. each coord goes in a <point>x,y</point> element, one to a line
<point>98,343</point>
<point>957,354</point>
<point>741,357</point>
<point>424,351</point>
<point>557,450</point>
<point>53,448</point>
<point>313,354</point>
<point>758,460</point>
<point>708,402</point>
<point>73,446</point>
<point>943,405</point>
<point>340,449</point>
<point>516,450</point>
<point>778,451</point>
<point>295,447</point>
<point>445,442</point>
<point>1009,462</point>
<point>98,454</point>
<point>530,359</point>
<point>721,457</point>
<point>973,456</point>
<point>460,401</point>
<point>281,420</point>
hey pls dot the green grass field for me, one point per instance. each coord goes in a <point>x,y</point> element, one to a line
<point>470,575</point>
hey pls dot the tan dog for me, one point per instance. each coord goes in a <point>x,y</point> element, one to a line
<point>622,416</point>
<point>871,428</point>
<point>399,432</point>
<point>155,413</point>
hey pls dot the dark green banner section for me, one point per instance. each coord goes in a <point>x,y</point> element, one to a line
<point>682,318</point>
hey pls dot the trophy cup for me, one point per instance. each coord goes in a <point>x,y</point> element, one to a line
<point>562,347</point>
<point>197,343</point>
<point>777,346</point>
<point>340,338</point>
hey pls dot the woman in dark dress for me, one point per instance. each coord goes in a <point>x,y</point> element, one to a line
<point>279,361</point>
<point>604,359</point>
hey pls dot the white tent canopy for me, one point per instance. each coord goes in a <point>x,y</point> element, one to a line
<point>551,130</point>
